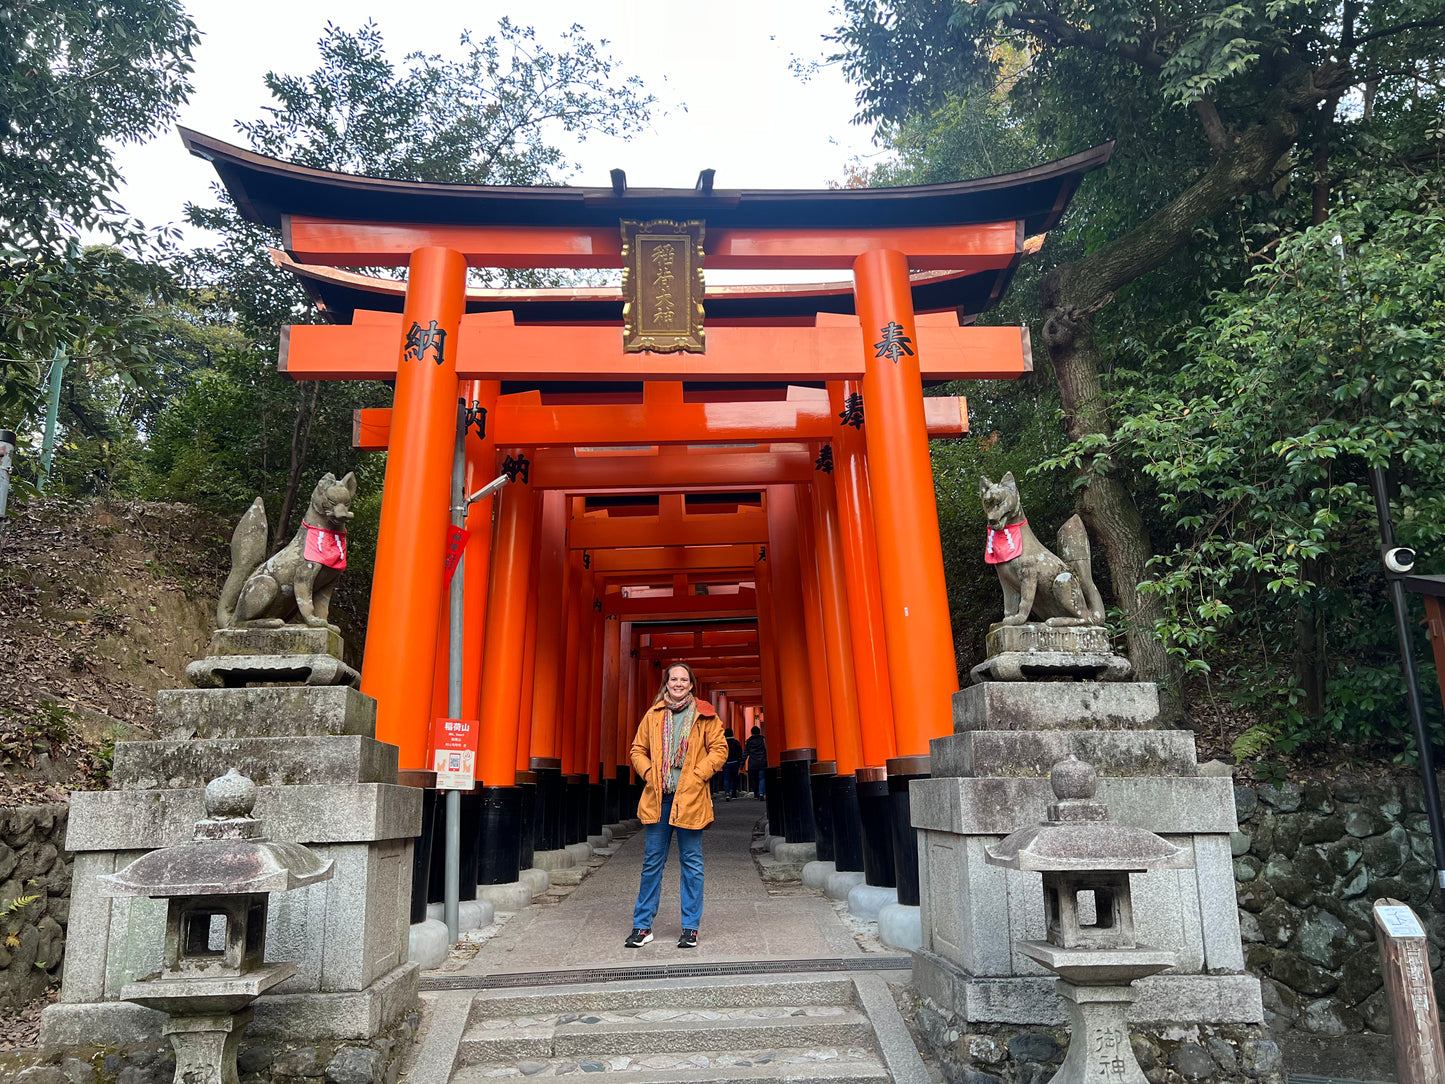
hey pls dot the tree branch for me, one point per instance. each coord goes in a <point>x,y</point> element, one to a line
<point>1400,28</point>
<point>1214,129</point>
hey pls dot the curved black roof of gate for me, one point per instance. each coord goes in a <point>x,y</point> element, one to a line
<point>267,188</point>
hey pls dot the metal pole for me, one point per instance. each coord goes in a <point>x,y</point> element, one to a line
<point>452,885</point>
<point>52,414</point>
<point>7,446</point>
<point>1412,686</point>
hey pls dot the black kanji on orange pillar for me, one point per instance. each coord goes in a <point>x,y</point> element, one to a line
<point>894,343</point>
<point>421,339</point>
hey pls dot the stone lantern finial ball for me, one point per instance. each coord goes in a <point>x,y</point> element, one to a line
<point>1073,779</point>
<point>230,795</point>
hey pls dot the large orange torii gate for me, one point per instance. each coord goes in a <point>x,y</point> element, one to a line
<point>849,606</point>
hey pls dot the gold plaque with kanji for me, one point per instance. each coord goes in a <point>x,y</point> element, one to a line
<point>662,287</point>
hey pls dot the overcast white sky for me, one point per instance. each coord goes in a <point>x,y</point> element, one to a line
<point>726,97</point>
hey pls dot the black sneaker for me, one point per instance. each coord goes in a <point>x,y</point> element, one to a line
<point>688,939</point>
<point>638,938</point>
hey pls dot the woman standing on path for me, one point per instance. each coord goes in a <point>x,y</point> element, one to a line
<point>678,748</point>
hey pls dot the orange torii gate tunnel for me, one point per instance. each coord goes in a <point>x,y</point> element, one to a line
<point>736,477</point>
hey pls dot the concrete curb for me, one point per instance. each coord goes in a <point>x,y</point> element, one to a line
<point>894,1042</point>
<point>437,1059</point>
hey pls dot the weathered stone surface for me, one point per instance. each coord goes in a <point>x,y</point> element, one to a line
<point>1003,753</point>
<point>1326,1016</point>
<point>1322,939</point>
<point>1192,1062</point>
<point>1321,829</point>
<point>1034,1046</point>
<point>1246,801</point>
<point>997,806</point>
<point>1303,976</point>
<point>130,820</point>
<point>1262,1058</point>
<point>1223,1054</point>
<point>262,713</point>
<point>1033,636</point>
<point>1051,666</point>
<point>269,762</point>
<point>1284,798</point>
<point>1360,976</point>
<point>354,1065</point>
<point>234,671</point>
<point>1277,923</point>
<point>1386,854</point>
<point>1246,868</point>
<point>1056,705</point>
<point>286,640</point>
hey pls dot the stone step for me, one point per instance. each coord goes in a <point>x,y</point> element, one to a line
<point>798,1065</point>
<point>664,1031</point>
<point>699,993</point>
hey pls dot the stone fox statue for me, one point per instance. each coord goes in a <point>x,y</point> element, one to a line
<point>296,582</point>
<point>1036,581</point>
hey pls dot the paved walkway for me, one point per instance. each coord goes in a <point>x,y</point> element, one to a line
<point>740,922</point>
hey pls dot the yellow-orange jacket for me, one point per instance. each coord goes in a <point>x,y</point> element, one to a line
<point>707,749</point>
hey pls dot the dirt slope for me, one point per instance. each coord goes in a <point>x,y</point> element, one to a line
<point>101,604</point>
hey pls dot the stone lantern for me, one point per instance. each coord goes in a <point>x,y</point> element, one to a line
<point>1085,862</point>
<point>216,888</point>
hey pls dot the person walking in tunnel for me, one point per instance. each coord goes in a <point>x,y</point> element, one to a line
<point>731,766</point>
<point>679,746</point>
<point>756,751</point>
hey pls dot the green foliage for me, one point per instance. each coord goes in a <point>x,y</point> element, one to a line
<point>77,78</point>
<point>1326,363</point>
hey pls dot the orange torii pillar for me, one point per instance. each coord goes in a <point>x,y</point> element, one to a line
<point>841,791</point>
<point>611,688</point>
<point>501,694</point>
<point>860,563</point>
<point>795,684</point>
<point>415,500</point>
<point>768,664</point>
<point>922,670</point>
<point>526,778</point>
<point>547,675</point>
<point>575,812</point>
<point>824,765</point>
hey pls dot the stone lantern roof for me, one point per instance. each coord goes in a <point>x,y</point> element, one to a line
<point>1078,836</point>
<point>229,854</point>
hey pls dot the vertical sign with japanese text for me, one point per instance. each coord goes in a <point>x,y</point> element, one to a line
<point>662,287</point>
<point>1409,993</point>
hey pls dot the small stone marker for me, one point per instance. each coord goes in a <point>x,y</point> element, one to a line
<point>1410,993</point>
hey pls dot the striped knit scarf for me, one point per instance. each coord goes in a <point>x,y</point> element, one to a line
<point>676,730</point>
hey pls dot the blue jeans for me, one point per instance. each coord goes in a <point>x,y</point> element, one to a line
<point>654,858</point>
<point>730,780</point>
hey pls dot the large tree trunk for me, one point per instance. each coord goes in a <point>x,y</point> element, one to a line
<point>1245,160</point>
<point>1106,505</point>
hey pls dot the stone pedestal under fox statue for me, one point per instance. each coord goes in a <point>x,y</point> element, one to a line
<point>294,586</point>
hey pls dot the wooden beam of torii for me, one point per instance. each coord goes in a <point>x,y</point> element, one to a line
<point>561,468</point>
<point>492,347</point>
<point>595,533</point>
<point>743,606</point>
<point>522,421</point>
<point>974,247</point>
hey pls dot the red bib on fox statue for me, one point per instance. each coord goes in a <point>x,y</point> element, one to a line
<point>1004,543</point>
<point>325,546</point>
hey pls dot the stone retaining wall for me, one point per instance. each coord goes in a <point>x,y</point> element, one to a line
<point>34,900</point>
<point>1310,861</point>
